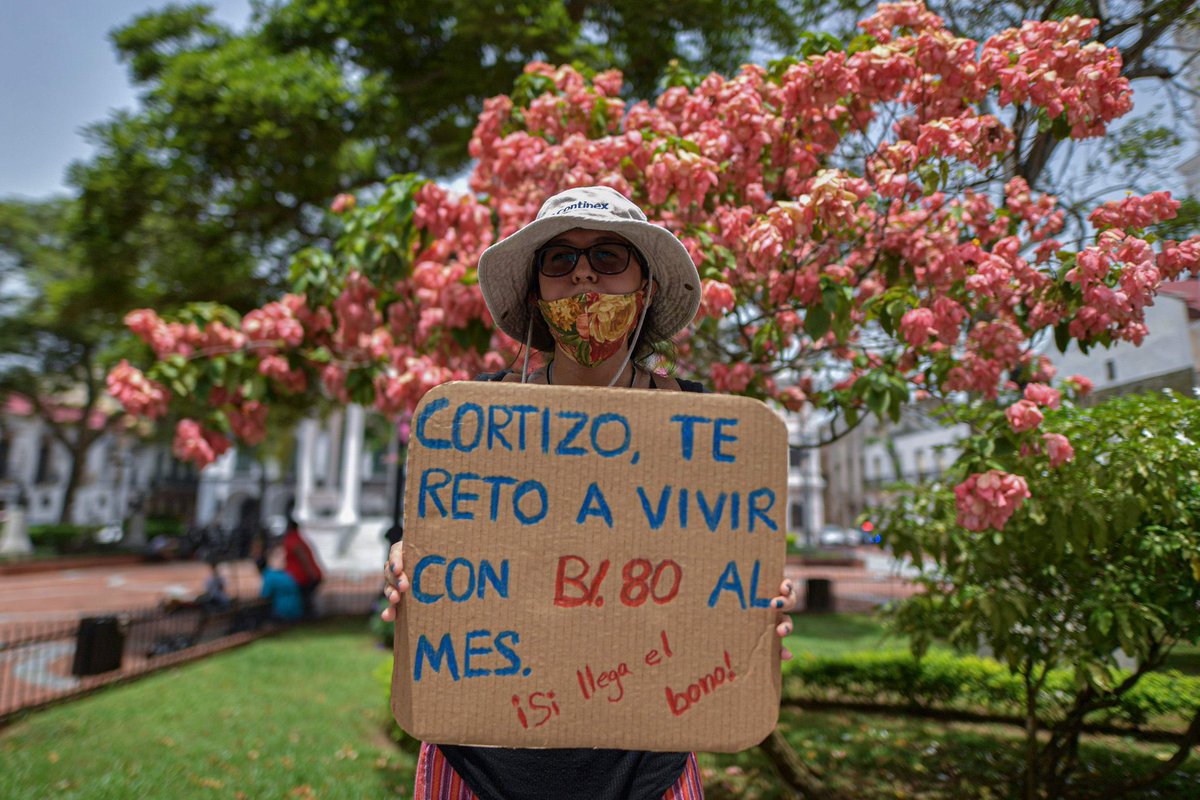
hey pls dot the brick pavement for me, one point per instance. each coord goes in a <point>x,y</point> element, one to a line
<point>72,593</point>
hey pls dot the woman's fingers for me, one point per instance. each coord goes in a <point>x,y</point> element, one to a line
<point>787,598</point>
<point>786,601</point>
<point>395,581</point>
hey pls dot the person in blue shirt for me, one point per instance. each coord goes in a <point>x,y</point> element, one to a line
<point>280,588</point>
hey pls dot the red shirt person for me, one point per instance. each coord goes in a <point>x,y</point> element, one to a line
<point>302,565</point>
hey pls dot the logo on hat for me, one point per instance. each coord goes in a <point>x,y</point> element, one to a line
<point>578,205</point>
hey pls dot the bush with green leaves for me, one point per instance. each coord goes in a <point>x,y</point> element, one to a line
<point>63,537</point>
<point>1102,559</point>
<point>942,680</point>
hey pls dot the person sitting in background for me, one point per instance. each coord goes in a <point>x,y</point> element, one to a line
<point>302,565</point>
<point>280,588</point>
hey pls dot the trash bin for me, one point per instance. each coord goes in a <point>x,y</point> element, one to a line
<point>98,646</point>
<point>818,595</point>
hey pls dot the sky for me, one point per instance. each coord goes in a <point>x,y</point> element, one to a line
<point>60,74</point>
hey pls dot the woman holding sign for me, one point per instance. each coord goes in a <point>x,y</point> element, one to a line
<point>594,286</point>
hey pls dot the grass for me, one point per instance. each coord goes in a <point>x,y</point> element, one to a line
<point>874,757</point>
<point>298,715</point>
<point>303,715</point>
<point>834,634</point>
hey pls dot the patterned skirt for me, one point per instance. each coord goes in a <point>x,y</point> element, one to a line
<point>437,780</point>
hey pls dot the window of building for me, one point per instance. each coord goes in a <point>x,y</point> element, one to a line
<point>796,523</point>
<point>44,473</point>
<point>796,457</point>
<point>1110,369</point>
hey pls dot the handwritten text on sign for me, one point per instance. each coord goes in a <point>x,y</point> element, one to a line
<point>591,567</point>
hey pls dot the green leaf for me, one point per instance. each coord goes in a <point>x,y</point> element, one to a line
<point>816,321</point>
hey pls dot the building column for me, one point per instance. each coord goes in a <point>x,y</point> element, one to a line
<point>351,472</point>
<point>306,431</point>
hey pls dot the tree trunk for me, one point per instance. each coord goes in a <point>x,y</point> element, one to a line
<point>1031,741</point>
<point>78,450</point>
<point>1190,739</point>
<point>800,778</point>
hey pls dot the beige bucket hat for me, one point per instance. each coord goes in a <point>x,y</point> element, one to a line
<point>506,268</point>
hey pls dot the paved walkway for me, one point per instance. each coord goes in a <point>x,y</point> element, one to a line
<point>76,592</point>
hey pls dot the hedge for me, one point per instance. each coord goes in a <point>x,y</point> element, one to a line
<point>945,680</point>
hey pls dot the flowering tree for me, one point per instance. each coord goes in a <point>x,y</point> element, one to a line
<point>860,242</point>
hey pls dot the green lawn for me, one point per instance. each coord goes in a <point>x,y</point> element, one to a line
<point>873,757</point>
<point>303,715</point>
<point>834,634</point>
<point>298,715</point>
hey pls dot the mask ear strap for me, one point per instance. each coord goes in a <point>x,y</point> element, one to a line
<point>636,332</point>
<point>528,340</point>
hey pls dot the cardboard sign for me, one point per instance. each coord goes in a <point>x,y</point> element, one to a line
<point>591,568</point>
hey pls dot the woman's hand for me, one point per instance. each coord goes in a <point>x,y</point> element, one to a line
<point>786,601</point>
<point>396,580</point>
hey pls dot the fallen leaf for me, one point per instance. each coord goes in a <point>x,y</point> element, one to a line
<point>52,757</point>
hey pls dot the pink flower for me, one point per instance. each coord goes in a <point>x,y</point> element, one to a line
<point>1135,212</point>
<point>732,379</point>
<point>917,326</point>
<point>248,421</point>
<point>793,398</point>
<point>277,368</point>
<point>718,299</point>
<point>1023,415</point>
<point>988,500</point>
<point>1083,386</point>
<point>1058,449</point>
<point>197,444</point>
<point>1043,395</point>
<point>139,395</point>
<point>342,203</point>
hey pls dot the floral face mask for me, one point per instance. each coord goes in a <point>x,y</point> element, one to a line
<point>590,326</point>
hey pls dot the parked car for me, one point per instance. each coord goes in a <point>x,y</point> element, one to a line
<point>837,536</point>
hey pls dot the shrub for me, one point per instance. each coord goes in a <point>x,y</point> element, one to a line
<point>63,537</point>
<point>383,674</point>
<point>165,526</point>
<point>948,681</point>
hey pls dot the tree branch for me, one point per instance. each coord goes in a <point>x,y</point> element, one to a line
<point>1190,739</point>
<point>792,771</point>
<point>1150,71</point>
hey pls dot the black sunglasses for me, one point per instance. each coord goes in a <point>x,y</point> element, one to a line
<point>605,258</point>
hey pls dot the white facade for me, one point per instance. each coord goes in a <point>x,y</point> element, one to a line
<point>118,471</point>
<point>920,451</point>
<point>1166,351</point>
<point>806,503</point>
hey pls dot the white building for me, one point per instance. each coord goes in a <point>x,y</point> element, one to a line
<point>120,474</point>
<point>1165,359</point>
<point>806,503</point>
